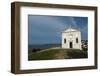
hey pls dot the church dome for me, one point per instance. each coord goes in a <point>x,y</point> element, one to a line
<point>70,29</point>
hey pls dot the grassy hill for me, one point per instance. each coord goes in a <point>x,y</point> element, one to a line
<point>57,53</point>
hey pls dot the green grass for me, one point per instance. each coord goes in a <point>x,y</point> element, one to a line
<point>57,54</point>
<point>45,55</point>
<point>73,54</point>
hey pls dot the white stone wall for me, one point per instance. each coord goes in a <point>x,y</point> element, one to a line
<point>71,37</point>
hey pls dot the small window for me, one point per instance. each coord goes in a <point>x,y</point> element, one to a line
<point>76,40</point>
<point>64,40</point>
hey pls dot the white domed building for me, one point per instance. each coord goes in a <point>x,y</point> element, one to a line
<point>71,38</point>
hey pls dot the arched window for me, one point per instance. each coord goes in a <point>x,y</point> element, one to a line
<point>76,40</point>
<point>65,40</point>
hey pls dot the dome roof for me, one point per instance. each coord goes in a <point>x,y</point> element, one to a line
<point>71,29</point>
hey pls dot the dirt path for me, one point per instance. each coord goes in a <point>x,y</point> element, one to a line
<point>60,55</point>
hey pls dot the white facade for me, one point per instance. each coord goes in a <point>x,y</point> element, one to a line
<point>71,39</point>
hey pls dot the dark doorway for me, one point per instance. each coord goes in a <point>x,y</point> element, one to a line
<point>65,41</point>
<point>71,45</point>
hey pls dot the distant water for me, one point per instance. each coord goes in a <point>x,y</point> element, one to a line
<point>44,46</point>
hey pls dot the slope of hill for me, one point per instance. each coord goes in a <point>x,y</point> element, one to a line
<point>57,53</point>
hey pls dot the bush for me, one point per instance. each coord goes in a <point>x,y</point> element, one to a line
<point>85,49</point>
<point>34,50</point>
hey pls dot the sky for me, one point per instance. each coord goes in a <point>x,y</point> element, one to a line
<point>47,29</point>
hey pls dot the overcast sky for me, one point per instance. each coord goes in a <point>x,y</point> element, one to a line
<point>47,29</point>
